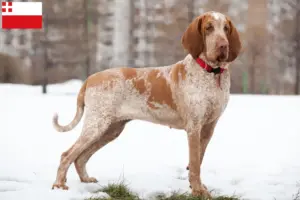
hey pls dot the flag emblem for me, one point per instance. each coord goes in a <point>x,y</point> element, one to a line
<point>22,15</point>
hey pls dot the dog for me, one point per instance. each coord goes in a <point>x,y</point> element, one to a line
<point>190,95</point>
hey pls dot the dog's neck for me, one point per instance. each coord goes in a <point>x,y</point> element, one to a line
<point>213,64</point>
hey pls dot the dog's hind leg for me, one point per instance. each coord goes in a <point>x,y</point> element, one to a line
<point>94,127</point>
<point>112,133</point>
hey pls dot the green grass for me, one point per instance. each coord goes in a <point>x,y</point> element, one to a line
<point>117,192</point>
<point>122,192</point>
<point>186,196</point>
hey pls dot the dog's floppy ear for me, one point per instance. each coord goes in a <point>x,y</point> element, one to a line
<point>193,39</point>
<point>234,43</point>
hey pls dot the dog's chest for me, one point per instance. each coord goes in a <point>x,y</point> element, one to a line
<point>208,94</point>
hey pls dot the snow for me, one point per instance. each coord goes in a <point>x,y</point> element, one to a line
<point>254,152</point>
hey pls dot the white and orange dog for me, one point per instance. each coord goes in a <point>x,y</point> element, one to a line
<point>190,95</point>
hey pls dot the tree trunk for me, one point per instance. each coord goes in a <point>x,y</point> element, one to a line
<point>257,35</point>
<point>297,41</point>
<point>122,33</point>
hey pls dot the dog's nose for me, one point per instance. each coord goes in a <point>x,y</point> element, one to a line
<point>223,45</point>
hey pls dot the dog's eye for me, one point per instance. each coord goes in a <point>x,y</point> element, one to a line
<point>226,29</point>
<point>209,28</point>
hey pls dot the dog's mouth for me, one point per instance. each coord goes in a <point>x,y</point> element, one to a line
<point>217,58</point>
<point>222,57</point>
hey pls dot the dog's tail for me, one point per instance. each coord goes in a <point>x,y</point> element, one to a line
<point>78,116</point>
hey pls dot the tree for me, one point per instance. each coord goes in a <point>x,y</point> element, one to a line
<point>122,33</point>
<point>257,35</point>
<point>297,41</point>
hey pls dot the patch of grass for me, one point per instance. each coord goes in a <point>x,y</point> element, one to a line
<point>186,196</point>
<point>122,192</point>
<point>117,192</point>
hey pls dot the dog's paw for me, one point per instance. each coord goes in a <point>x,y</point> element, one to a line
<point>202,185</point>
<point>89,180</point>
<point>60,186</point>
<point>202,192</point>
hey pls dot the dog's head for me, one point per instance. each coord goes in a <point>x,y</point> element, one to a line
<point>214,35</point>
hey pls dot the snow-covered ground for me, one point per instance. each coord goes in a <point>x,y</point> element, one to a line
<point>254,153</point>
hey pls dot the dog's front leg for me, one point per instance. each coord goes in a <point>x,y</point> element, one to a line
<point>195,152</point>
<point>205,136</point>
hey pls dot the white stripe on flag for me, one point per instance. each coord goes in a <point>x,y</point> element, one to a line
<point>24,8</point>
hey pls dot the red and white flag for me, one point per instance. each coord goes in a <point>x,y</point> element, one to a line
<point>22,15</point>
